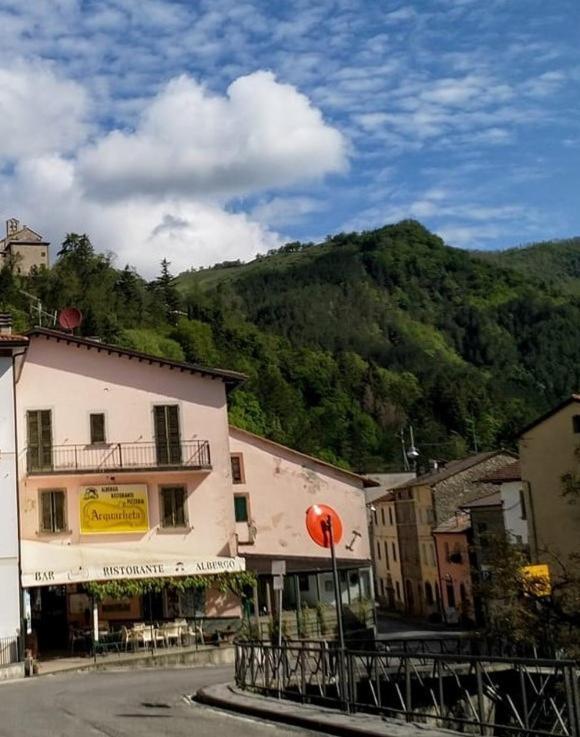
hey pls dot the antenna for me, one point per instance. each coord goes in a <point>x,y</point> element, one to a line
<point>37,308</point>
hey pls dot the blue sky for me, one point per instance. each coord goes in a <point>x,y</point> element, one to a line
<point>213,130</point>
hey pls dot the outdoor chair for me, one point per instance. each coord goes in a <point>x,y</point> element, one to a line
<point>172,632</point>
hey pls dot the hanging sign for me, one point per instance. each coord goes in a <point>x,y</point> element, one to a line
<point>114,509</point>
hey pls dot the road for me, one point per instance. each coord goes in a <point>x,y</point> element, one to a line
<point>146,703</point>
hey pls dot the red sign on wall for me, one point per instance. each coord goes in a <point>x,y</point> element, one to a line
<point>317,518</point>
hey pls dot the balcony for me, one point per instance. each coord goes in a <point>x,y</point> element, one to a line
<point>58,459</point>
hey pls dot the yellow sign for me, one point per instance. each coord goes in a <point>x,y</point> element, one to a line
<point>110,510</point>
<point>537,580</point>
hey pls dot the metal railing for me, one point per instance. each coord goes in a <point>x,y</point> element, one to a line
<point>118,456</point>
<point>9,650</point>
<point>480,695</point>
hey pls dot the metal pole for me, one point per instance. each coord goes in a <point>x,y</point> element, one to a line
<point>338,597</point>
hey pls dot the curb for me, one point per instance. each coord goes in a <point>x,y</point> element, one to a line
<point>327,721</point>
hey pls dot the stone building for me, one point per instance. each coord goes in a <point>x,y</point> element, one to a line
<point>427,502</point>
<point>23,248</point>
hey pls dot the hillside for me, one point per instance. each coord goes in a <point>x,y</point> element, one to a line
<point>555,263</point>
<point>347,342</point>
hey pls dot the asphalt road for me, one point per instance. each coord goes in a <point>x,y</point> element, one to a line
<point>146,703</point>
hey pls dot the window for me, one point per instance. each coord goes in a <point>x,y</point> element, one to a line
<point>378,550</point>
<point>394,549</point>
<point>167,436</point>
<point>52,511</point>
<point>398,590</point>
<point>383,515</point>
<point>237,462</point>
<point>97,422</point>
<point>241,508</point>
<point>387,555</point>
<point>429,594</point>
<point>173,506</point>
<point>375,517</point>
<point>432,552</point>
<point>450,595</point>
<point>391,516</point>
<point>39,431</point>
<point>576,423</point>
<point>523,504</point>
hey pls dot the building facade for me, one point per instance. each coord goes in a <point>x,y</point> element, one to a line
<point>124,472</point>
<point>23,248</point>
<point>453,546</point>
<point>273,486</point>
<point>387,561</point>
<point>550,470</point>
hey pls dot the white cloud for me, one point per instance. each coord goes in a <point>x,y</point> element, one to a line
<point>40,112</point>
<point>283,211</point>
<point>190,142</point>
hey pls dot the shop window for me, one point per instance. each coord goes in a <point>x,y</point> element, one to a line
<point>237,462</point>
<point>97,425</point>
<point>173,507</point>
<point>53,517</point>
<point>241,507</point>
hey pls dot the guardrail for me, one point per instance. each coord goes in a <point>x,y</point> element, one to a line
<point>485,695</point>
<point>118,456</point>
<point>9,650</point>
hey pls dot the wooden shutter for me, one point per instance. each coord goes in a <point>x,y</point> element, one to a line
<point>39,430</point>
<point>166,508</point>
<point>97,428</point>
<point>179,499</point>
<point>173,507</point>
<point>167,435</point>
<point>241,508</point>
<point>46,512</point>
<point>58,511</point>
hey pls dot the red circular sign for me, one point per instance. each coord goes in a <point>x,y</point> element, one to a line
<point>317,518</point>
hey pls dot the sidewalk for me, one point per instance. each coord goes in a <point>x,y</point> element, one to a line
<point>202,655</point>
<point>316,718</point>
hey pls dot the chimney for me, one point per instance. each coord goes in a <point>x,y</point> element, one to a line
<point>5,323</point>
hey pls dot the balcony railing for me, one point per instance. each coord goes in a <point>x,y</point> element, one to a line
<point>191,454</point>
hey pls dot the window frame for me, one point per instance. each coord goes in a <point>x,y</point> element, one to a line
<point>246,498</point>
<point>49,531</point>
<point>104,416</point>
<point>172,450</point>
<point>167,487</point>
<point>240,458</point>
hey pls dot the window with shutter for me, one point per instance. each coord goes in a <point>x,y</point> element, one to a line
<point>52,506</point>
<point>97,421</point>
<point>173,507</point>
<point>241,508</point>
<point>237,462</point>
<point>39,437</point>
<point>167,435</point>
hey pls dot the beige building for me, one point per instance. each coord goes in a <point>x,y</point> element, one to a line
<point>550,470</point>
<point>23,248</point>
<point>386,556</point>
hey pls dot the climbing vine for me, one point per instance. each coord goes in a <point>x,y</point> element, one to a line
<point>233,583</point>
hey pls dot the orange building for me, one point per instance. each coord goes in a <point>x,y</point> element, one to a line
<point>452,542</point>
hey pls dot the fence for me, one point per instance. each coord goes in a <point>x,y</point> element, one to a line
<point>116,456</point>
<point>9,650</point>
<point>475,694</point>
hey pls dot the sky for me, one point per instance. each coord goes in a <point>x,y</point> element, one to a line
<point>212,130</point>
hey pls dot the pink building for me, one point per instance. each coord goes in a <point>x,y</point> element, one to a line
<point>127,469</point>
<point>124,472</point>
<point>273,487</point>
<point>452,542</point>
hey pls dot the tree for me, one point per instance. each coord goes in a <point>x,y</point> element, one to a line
<point>166,291</point>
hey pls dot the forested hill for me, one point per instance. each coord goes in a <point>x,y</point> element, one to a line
<point>345,342</point>
<point>555,263</point>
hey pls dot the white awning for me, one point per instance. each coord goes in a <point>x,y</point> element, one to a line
<point>46,564</point>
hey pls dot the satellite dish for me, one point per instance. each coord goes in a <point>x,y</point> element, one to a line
<point>70,318</point>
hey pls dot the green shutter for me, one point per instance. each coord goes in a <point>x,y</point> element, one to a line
<point>46,512</point>
<point>167,435</point>
<point>179,496</point>
<point>97,428</point>
<point>39,430</point>
<point>241,508</point>
<point>58,511</point>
